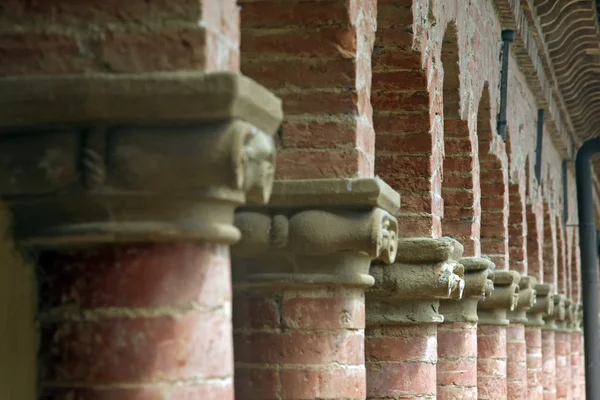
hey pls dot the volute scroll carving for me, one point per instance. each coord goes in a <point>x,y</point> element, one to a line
<point>134,158</point>
<point>505,297</point>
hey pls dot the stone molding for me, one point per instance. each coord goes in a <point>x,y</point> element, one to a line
<point>479,284</point>
<point>293,241</point>
<point>504,298</point>
<point>409,290</point>
<point>544,305</point>
<point>552,320</point>
<point>527,299</point>
<point>89,159</point>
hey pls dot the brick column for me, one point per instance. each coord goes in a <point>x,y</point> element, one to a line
<point>491,336</point>
<point>126,187</point>
<point>299,276</point>
<point>544,305</point>
<point>549,347</point>
<point>563,353</point>
<point>576,356</point>
<point>402,317</point>
<point>516,348</point>
<point>457,335</point>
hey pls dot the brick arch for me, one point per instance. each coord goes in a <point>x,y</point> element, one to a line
<point>494,191</point>
<point>549,249</point>
<point>462,212</point>
<point>561,260</point>
<point>407,121</point>
<point>517,221</point>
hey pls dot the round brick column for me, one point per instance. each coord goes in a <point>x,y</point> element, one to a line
<point>533,340</point>
<point>549,329</point>
<point>457,335</point>
<point>576,354</point>
<point>299,295</point>
<point>136,321</point>
<point>577,366</point>
<point>516,349</point>
<point>131,219</point>
<point>543,306</point>
<point>402,317</point>
<point>564,377</point>
<point>491,336</point>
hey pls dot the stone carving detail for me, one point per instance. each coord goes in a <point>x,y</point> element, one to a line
<point>479,285</point>
<point>327,237</point>
<point>557,315</point>
<point>93,163</point>
<point>254,164</point>
<point>147,157</point>
<point>544,305</point>
<point>504,298</point>
<point>527,299</point>
<point>318,232</point>
<point>409,290</point>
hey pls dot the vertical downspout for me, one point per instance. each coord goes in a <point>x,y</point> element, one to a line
<point>507,37</point>
<point>589,266</point>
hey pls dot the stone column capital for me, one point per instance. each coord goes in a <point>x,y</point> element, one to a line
<point>544,304</point>
<point>317,232</point>
<point>566,325</point>
<point>527,299</point>
<point>134,157</point>
<point>555,320</point>
<point>504,298</point>
<point>478,277</point>
<point>409,290</point>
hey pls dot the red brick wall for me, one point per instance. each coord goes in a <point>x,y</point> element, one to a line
<point>65,36</point>
<point>316,56</point>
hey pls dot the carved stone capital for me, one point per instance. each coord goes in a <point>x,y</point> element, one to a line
<point>552,320</point>
<point>544,304</point>
<point>504,298</point>
<point>409,290</point>
<point>566,324</point>
<point>300,239</point>
<point>134,157</point>
<point>479,274</point>
<point>527,299</point>
<point>577,321</point>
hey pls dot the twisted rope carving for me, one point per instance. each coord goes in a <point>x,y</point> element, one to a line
<point>93,166</point>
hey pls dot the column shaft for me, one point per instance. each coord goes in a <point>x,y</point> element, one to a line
<point>401,362</point>
<point>457,361</point>
<point>136,321</point>
<point>491,362</point>
<point>516,350</point>
<point>533,341</point>
<point>563,366</point>
<point>549,364</point>
<point>300,343</point>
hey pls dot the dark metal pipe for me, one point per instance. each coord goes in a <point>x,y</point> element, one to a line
<point>589,266</point>
<point>507,37</point>
<point>538,147</point>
